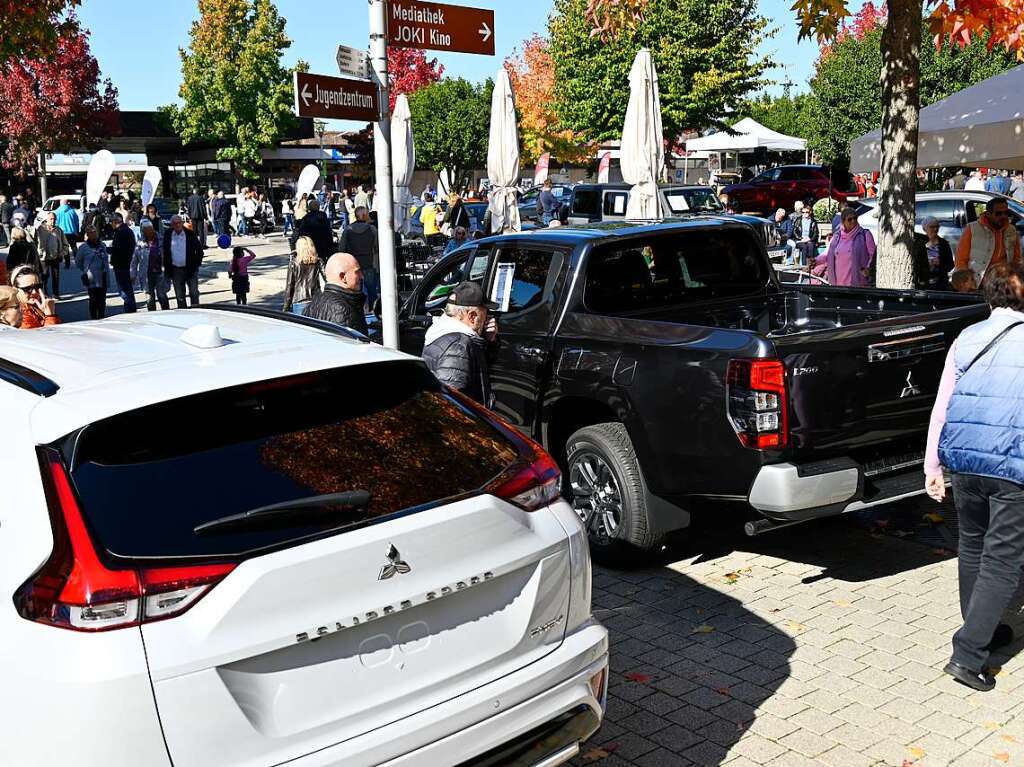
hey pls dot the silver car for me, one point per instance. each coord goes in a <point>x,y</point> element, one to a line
<point>954,210</point>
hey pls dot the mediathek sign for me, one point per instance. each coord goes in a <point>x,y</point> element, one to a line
<point>335,98</point>
<point>437,27</point>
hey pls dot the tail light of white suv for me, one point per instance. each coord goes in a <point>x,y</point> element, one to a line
<point>75,590</point>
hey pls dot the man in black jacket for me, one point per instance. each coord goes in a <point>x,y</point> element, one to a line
<point>342,299</point>
<point>316,226</point>
<point>121,251</point>
<point>6,210</point>
<point>183,255</point>
<point>455,347</point>
<point>196,207</point>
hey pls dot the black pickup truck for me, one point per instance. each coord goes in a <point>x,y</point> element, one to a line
<point>666,367</point>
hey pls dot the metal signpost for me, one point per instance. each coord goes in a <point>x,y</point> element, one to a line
<point>410,24</point>
<point>353,62</point>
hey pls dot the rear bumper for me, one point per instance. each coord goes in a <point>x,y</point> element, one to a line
<point>788,492</point>
<point>536,716</point>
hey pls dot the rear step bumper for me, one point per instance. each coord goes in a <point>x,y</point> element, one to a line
<point>554,742</point>
<point>788,492</point>
<point>507,711</point>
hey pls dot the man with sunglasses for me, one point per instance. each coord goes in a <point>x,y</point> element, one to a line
<point>990,240</point>
<point>37,310</point>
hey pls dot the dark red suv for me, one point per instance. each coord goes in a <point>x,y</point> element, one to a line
<point>781,187</point>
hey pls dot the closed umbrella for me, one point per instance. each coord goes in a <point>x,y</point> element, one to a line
<point>643,153</point>
<point>403,161</point>
<point>503,158</point>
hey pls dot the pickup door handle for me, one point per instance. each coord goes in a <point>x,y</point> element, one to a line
<point>905,348</point>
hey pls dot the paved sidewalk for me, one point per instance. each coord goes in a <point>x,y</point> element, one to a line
<point>816,645</point>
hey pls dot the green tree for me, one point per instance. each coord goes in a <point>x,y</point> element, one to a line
<point>846,95</point>
<point>705,52</point>
<point>784,113</point>
<point>234,89</point>
<point>451,122</point>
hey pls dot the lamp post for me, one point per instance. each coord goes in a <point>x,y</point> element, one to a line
<point>320,126</point>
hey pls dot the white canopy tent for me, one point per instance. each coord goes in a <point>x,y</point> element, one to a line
<point>979,126</point>
<point>749,135</point>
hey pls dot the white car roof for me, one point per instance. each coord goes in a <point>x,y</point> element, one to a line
<point>122,363</point>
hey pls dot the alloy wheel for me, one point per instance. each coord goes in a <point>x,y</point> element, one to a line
<point>595,496</point>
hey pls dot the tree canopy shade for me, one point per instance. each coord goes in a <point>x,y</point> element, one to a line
<point>532,72</point>
<point>451,123</point>
<point>705,52</point>
<point>234,89</point>
<point>845,99</point>
<point>31,29</point>
<point>54,103</point>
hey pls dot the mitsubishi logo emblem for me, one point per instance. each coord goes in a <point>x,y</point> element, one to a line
<point>911,389</point>
<point>395,566</point>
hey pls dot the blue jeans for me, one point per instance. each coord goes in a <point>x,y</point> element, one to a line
<point>371,286</point>
<point>242,228</point>
<point>289,223</point>
<point>126,289</point>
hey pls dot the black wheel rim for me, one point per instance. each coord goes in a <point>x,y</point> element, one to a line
<point>596,497</point>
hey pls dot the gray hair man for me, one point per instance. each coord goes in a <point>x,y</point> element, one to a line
<point>455,346</point>
<point>53,247</point>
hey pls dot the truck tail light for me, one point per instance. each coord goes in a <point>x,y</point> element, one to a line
<point>758,406</point>
<point>534,479</point>
<point>75,590</point>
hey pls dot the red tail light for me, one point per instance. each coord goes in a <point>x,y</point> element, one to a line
<point>75,590</point>
<point>758,406</point>
<point>534,480</point>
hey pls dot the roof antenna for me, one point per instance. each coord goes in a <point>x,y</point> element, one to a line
<point>203,337</point>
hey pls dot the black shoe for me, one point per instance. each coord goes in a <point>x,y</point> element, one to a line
<point>1002,636</point>
<point>982,680</point>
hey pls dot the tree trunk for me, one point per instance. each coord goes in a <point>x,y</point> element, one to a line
<point>900,80</point>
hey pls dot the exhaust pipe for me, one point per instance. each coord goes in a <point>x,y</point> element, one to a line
<point>758,527</point>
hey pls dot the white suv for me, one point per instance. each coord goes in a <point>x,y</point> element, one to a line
<point>233,539</point>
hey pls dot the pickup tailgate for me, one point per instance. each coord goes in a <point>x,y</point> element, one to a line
<point>866,391</point>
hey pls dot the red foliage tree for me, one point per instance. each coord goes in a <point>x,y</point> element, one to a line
<point>409,70</point>
<point>31,28</point>
<point>56,103</point>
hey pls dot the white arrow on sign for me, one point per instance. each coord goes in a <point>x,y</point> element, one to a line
<point>305,94</point>
<point>485,32</point>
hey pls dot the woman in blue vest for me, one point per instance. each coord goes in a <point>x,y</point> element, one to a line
<point>977,434</point>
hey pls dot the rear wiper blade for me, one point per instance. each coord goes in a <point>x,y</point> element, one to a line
<point>317,505</point>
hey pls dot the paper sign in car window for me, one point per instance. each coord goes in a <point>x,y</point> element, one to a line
<point>620,205</point>
<point>501,293</point>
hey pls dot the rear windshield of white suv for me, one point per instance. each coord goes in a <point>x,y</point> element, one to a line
<point>147,478</point>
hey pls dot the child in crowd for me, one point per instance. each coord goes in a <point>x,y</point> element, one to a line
<point>964,281</point>
<point>239,273</point>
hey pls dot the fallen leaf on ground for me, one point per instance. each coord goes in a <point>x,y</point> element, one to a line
<point>917,753</point>
<point>842,603</point>
<point>795,627</point>
<point>722,691</point>
<point>908,763</point>
<point>1008,738</point>
<point>1002,756</point>
<point>703,629</point>
<point>934,518</point>
<point>636,676</point>
<point>991,726</point>
<point>596,754</point>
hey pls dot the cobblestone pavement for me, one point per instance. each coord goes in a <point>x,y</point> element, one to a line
<point>821,644</point>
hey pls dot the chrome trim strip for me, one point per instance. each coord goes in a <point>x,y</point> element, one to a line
<point>887,351</point>
<point>561,757</point>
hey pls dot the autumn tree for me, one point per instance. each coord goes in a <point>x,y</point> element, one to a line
<point>450,123</point>
<point>705,52</point>
<point>32,29</point>
<point>409,69</point>
<point>54,103</point>
<point>235,91</point>
<point>532,72</point>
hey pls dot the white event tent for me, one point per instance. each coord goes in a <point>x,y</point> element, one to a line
<point>977,127</point>
<point>748,135</point>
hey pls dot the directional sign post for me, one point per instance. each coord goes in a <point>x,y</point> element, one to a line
<point>353,62</point>
<point>437,27</point>
<point>335,98</point>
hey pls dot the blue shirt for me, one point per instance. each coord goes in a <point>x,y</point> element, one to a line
<point>67,219</point>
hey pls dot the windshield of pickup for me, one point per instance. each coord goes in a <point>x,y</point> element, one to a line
<point>669,269</point>
<point>699,200</point>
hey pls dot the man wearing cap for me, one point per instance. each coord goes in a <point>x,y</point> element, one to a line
<point>455,346</point>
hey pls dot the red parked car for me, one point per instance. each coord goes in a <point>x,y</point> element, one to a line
<point>781,187</point>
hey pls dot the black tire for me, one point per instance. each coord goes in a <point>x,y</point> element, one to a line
<point>594,457</point>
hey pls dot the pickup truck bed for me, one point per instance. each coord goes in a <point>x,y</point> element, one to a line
<point>665,365</point>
